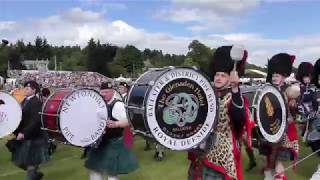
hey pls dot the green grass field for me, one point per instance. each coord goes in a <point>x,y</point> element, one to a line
<point>67,165</point>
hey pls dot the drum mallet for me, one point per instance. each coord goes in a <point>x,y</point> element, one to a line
<point>237,54</point>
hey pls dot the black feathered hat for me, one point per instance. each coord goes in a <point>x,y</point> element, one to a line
<point>280,64</point>
<point>304,69</point>
<point>222,61</point>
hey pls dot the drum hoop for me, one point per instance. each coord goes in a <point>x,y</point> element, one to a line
<point>18,104</point>
<point>215,97</point>
<point>257,98</point>
<point>60,106</point>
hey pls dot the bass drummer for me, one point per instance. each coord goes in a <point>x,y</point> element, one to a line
<point>279,68</point>
<point>30,148</point>
<point>221,158</point>
<point>112,157</point>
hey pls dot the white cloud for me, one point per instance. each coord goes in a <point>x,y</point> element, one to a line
<point>66,29</point>
<point>7,25</point>
<point>205,15</point>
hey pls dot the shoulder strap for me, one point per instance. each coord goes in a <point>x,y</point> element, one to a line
<point>110,107</point>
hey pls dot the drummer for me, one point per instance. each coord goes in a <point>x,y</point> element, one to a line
<point>222,159</point>
<point>308,101</point>
<point>112,158</point>
<point>31,146</point>
<point>315,145</point>
<point>279,68</point>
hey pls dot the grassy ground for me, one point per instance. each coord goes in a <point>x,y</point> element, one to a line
<point>66,165</point>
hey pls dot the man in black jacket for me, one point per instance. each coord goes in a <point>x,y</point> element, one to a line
<point>32,146</point>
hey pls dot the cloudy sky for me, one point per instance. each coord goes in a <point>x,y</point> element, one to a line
<point>264,27</point>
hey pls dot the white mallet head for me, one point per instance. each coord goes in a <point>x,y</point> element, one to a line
<point>237,52</point>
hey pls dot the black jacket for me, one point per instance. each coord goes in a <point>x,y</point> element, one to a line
<point>31,122</point>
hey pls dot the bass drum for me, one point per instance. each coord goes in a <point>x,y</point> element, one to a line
<point>175,106</point>
<point>268,110</point>
<point>76,117</point>
<point>10,114</point>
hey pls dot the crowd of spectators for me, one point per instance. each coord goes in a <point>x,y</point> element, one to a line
<point>59,79</point>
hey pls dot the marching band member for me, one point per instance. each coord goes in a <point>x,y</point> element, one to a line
<point>279,68</point>
<point>30,149</point>
<point>307,102</point>
<point>315,141</point>
<point>112,157</point>
<point>222,159</point>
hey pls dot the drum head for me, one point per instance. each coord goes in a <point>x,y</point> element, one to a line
<point>10,114</point>
<point>181,108</point>
<point>83,117</point>
<point>271,113</point>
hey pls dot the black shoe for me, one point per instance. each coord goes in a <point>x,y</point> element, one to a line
<point>251,166</point>
<point>38,176</point>
<point>159,157</point>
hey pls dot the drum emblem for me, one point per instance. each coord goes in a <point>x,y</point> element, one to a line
<point>269,107</point>
<point>181,108</point>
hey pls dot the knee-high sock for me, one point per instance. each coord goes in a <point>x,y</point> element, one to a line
<point>113,177</point>
<point>95,175</point>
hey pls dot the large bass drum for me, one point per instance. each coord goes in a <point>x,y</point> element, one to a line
<point>10,114</point>
<point>76,117</point>
<point>268,110</point>
<point>175,106</point>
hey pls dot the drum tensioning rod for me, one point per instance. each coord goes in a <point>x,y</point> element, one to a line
<point>134,107</point>
<point>298,162</point>
<point>48,114</point>
<point>46,129</point>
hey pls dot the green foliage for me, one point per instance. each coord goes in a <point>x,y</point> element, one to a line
<point>75,62</point>
<point>130,58</point>
<point>200,55</point>
<point>3,61</point>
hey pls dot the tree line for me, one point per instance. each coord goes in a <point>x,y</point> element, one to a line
<point>102,57</point>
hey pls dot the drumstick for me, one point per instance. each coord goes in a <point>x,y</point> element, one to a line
<point>237,53</point>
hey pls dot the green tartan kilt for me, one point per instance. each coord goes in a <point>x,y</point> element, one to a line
<point>31,153</point>
<point>113,158</point>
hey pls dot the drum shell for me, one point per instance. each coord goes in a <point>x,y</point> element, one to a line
<point>136,101</point>
<point>50,114</point>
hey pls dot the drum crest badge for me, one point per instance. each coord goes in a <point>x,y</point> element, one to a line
<point>181,108</point>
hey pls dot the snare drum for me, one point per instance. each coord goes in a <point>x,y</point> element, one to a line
<point>77,117</point>
<point>268,109</point>
<point>10,114</point>
<point>175,106</point>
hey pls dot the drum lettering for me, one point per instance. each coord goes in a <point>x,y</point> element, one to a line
<point>3,117</point>
<point>72,98</point>
<point>65,108</point>
<point>157,132</point>
<point>83,93</point>
<point>186,142</point>
<point>68,134</point>
<point>94,136</point>
<point>212,108</point>
<point>169,141</point>
<point>161,82</point>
